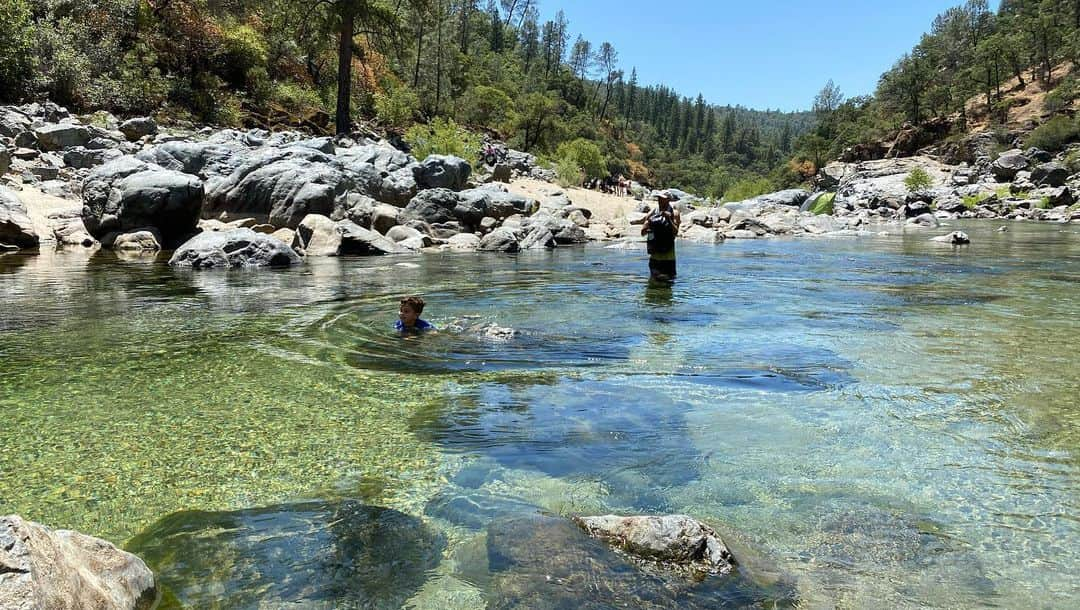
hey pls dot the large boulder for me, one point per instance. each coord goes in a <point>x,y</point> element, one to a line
<point>500,240</point>
<point>13,122</point>
<point>443,171</point>
<point>433,206</point>
<point>385,217</point>
<point>358,241</point>
<point>16,228</point>
<point>1008,165</point>
<point>42,568</point>
<point>63,135</point>
<point>1050,174</point>
<point>142,240</point>
<point>129,194</point>
<point>5,159</point>
<point>238,248</point>
<point>563,230</point>
<point>317,235</point>
<point>281,187</point>
<point>790,197</point>
<point>539,238</point>
<point>203,159</point>
<point>138,128</point>
<point>81,157</point>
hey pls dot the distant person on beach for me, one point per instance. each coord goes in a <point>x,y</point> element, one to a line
<point>660,230</point>
<point>409,321</point>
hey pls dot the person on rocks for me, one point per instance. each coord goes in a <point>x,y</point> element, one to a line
<point>660,229</point>
<point>409,322</point>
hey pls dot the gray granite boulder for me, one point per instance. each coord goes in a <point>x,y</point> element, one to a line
<point>62,135</point>
<point>1050,175</point>
<point>1008,165</point>
<point>281,187</point>
<point>16,228</point>
<point>317,235</point>
<point>80,157</point>
<point>443,171</point>
<point>138,128</point>
<point>358,241</point>
<point>433,206</point>
<point>385,217</point>
<point>42,568</point>
<point>539,238</point>
<point>500,240</point>
<point>142,240</point>
<point>203,159</point>
<point>790,197</point>
<point>238,248</point>
<point>129,194</point>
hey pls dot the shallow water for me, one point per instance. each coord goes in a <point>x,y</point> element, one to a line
<point>891,422</point>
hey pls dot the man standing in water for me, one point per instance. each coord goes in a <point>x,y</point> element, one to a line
<point>660,230</point>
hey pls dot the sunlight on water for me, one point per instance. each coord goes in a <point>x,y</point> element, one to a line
<point>885,422</point>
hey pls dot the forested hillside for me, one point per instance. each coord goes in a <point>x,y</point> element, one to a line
<point>493,67</point>
<point>970,71</point>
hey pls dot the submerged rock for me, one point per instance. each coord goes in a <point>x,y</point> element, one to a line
<point>547,562</point>
<point>956,238</point>
<point>235,248</point>
<point>45,568</point>
<point>318,555</point>
<point>670,539</point>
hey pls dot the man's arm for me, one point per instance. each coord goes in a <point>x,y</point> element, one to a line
<point>645,227</point>
<point>676,219</point>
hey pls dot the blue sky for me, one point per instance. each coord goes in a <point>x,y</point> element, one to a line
<point>757,53</point>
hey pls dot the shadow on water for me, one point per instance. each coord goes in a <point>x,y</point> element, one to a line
<point>311,555</point>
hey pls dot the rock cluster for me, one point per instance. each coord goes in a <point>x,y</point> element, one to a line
<point>147,188</point>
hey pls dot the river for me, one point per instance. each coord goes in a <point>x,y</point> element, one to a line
<point>889,422</point>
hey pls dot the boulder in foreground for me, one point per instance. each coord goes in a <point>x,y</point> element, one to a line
<point>45,568</point>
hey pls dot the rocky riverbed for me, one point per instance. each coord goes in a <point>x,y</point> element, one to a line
<point>274,198</point>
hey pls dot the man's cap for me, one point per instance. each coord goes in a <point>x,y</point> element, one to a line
<point>665,195</point>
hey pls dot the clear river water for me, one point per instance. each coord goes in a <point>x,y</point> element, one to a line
<point>885,421</point>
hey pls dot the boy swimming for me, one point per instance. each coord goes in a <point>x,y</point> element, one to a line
<point>409,321</point>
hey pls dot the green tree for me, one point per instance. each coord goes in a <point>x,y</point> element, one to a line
<point>16,48</point>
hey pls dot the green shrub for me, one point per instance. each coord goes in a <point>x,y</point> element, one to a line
<point>1054,134</point>
<point>296,97</point>
<point>569,173</point>
<point>1062,96</point>
<point>918,180</point>
<point>16,48</point>
<point>1072,161</point>
<point>748,188</point>
<point>488,107</point>
<point>443,137</point>
<point>244,50</point>
<point>397,107</point>
<point>824,204</point>
<point>583,154</point>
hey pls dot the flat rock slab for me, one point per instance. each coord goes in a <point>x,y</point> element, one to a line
<point>548,563</point>
<point>316,555</point>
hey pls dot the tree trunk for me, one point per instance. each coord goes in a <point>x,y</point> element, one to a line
<point>419,52</point>
<point>438,59</point>
<point>344,95</point>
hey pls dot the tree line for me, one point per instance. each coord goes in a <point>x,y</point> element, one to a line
<point>487,66</point>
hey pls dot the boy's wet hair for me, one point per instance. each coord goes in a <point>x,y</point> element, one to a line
<point>414,303</point>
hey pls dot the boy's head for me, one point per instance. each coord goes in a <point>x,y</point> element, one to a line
<point>410,309</point>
